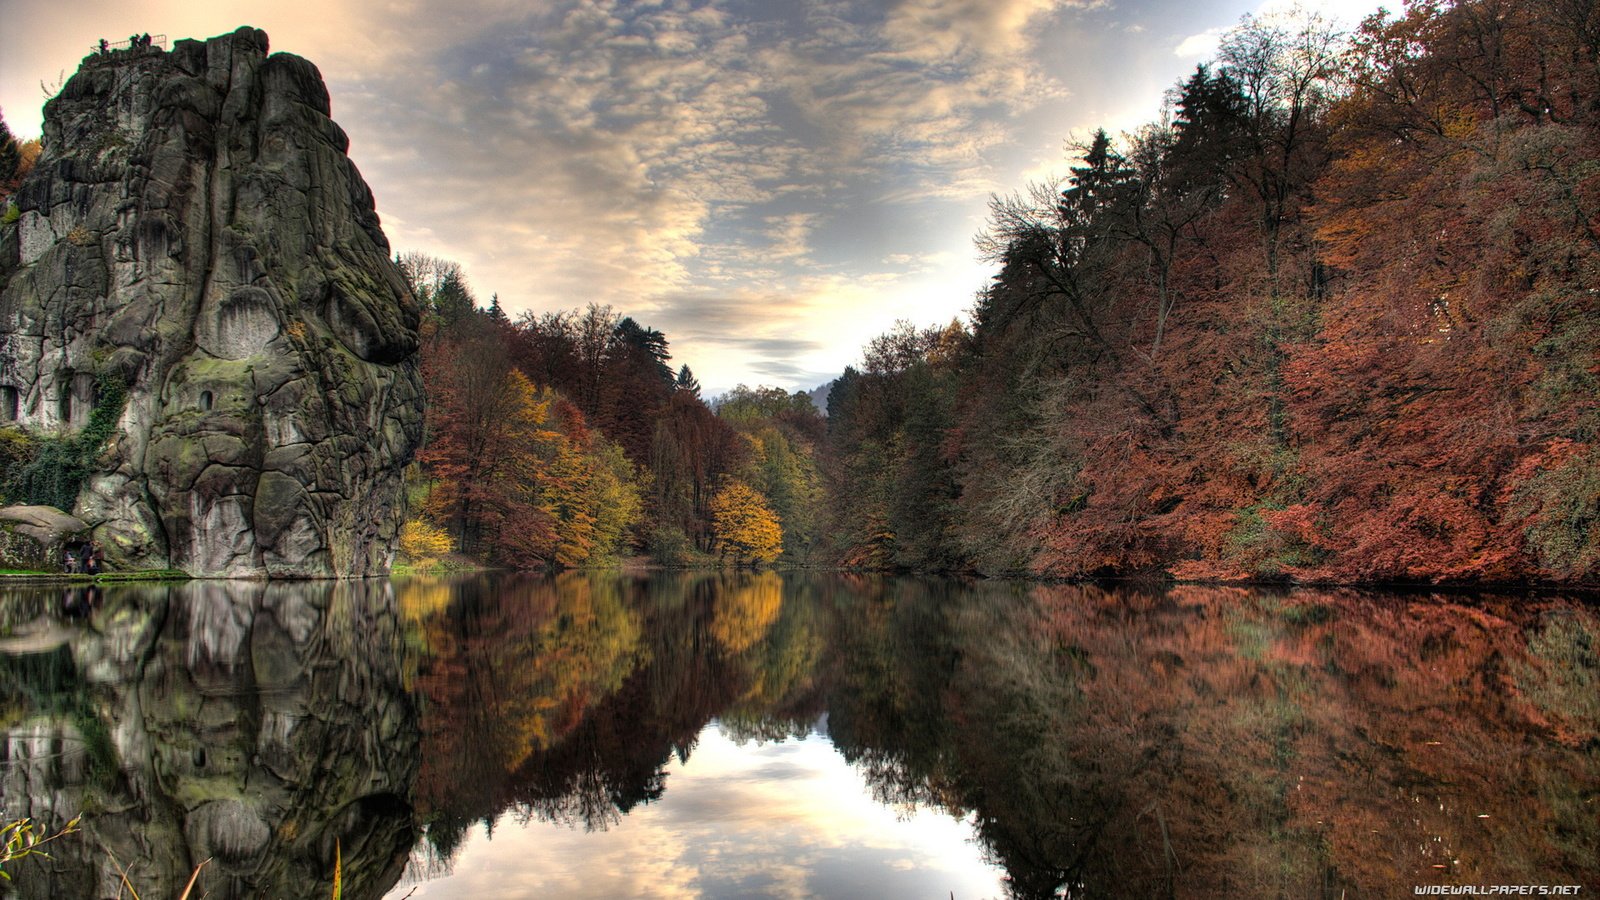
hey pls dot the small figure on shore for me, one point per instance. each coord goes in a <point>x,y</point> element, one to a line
<point>144,40</point>
<point>104,46</point>
<point>83,559</point>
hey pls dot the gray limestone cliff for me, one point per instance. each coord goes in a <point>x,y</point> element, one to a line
<point>195,233</point>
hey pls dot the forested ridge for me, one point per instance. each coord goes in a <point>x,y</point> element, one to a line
<point>566,439</point>
<point>1331,318</point>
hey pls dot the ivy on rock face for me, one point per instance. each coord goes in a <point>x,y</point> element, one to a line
<point>49,469</point>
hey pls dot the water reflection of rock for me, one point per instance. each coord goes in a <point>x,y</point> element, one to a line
<point>250,725</point>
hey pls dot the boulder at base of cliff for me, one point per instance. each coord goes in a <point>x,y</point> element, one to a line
<point>33,537</point>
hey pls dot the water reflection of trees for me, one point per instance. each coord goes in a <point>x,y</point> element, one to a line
<point>248,725</point>
<point>1216,742</point>
<point>1192,742</point>
<point>564,699</point>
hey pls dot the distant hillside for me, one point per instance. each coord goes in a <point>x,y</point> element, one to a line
<point>819,396</point>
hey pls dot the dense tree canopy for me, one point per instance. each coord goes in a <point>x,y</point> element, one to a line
<point>746,529</point>
<point>1333,319</point>
<point>563,439</point>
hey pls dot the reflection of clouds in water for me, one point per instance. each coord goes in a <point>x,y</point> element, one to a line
<point>777,772</point>
<point>543,860</point>
<point>789,819</point>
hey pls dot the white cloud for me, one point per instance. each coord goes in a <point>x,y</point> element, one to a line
<point>1342,14</point>
<point>789,234</point>
<point>1346,14</point>
<point>650,159</point>
<point>1203,44</point>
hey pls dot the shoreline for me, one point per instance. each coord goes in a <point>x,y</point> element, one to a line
<point>63,578</point>
<point>634,566</point>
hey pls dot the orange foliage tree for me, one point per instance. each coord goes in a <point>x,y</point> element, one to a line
<point>515,472</point>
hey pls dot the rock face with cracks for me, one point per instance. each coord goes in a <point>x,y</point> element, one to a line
<point>195,231</point>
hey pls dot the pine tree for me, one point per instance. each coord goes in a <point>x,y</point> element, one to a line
<point>687,382</point>
<point>10,157</point>
<point>1209,129</point>
<point>647,344</point>
<point>1094,184</point>
<point>453,300</point>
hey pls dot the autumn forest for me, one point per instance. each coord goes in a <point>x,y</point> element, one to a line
<point>1331,318</point>
<point>1277,423</point>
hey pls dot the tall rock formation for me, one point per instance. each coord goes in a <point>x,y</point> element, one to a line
<point>194,233</point>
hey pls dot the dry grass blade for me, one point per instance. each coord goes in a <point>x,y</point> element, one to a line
<point>193,877</point>
<point>338,874</point>
<point>123,874</point>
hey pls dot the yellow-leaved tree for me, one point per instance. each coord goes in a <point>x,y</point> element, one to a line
<point>744,526</point>
<point>423,542</point>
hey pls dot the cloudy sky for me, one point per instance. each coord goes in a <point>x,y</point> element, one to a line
<point>769,182</point>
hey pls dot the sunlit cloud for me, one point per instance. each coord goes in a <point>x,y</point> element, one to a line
<point>787,819</point>
<point>822,164</point>
<point>1199,45</point>
<point>1339,14</point>
<point>788,234</point>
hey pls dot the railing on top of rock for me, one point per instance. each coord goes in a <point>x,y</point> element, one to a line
<point>137,41</point>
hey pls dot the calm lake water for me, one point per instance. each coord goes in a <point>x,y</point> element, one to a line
<point>766,735</point>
